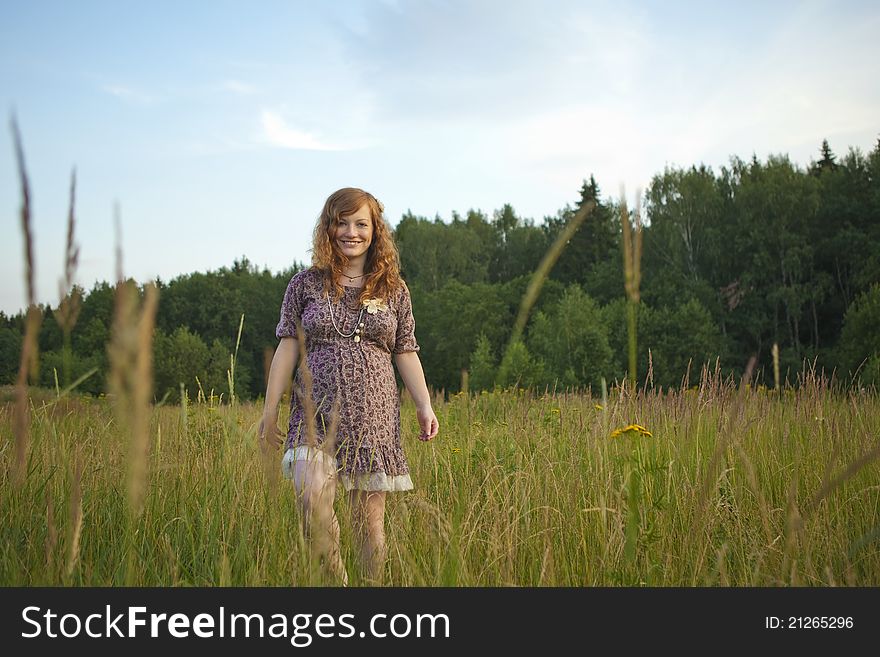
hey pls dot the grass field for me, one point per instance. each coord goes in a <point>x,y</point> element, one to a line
<point>722,486</point>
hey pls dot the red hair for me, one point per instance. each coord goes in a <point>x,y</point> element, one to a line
<point>382,267</point>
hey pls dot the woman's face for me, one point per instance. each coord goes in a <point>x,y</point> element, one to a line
<point>354,233</point>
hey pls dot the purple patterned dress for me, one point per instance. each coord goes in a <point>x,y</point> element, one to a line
<point>359,374</point>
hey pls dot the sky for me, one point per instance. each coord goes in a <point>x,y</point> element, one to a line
<point>216,130</point>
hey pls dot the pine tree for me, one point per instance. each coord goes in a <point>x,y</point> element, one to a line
<point>593,244</point>
<point>828,161</point>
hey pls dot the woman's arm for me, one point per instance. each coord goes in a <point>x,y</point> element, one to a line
<point>280,373</point>
<point>410,368</point>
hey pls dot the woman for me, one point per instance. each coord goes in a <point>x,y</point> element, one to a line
<point>356,315</point>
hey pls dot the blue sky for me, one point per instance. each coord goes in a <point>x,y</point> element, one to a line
<point>221,127</point>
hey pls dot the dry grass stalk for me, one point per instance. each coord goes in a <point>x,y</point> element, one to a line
<point>25,211</point>
<point>305,394</point>
<point>51,538</point>
<point>21,422</point>
<point>69,306</point>
<point>775,352</point>
<point>131,377</point>
<point>686,379</point>
<point>632,249</point>
<point>131,370</point>
<point>632,270</point>
<point>230,373</point>
<point>70,296</point>
<point>320,521</point>
<point>76,515</point>
<point>793,526</point>
<point>721,565</point>
<point>749,371</point>
<point>30,346</point>
<point>117,225</point>
<point>547,576</point>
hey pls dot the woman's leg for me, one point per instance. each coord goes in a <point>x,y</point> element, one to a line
<point>368,521</point>
<point>315,483</point>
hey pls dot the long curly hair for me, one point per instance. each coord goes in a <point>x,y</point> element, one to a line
<point>382,267</point>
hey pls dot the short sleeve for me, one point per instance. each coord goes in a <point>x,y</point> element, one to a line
<point>406,323</point>
<point>291,308</point>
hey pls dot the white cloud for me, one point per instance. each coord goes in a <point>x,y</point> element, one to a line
<point>560,147</point>
<point>129,94</point>
<point>239,87</point>
<point>279,134</point>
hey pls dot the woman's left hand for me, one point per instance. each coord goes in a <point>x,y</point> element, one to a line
<point>427,422</point>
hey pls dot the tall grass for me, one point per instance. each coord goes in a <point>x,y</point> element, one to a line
<point>735,487</point>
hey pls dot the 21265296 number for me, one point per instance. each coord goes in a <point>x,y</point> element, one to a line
<point>808,622</point>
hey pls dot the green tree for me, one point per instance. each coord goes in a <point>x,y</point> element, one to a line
<point>450,321</point>
<point>860,338</point>
<point>613,315</point>
<point>869,251</point>
<point>679,339</point>
<point>52,364</point>
<point>10,354</point>
<point>594,244</point>
<point>211,305</point>
<point>50,336</point>
<point>482,365</point>
<point>179,358</point>
<point>684,251</point>
<point>774,205</point>
<point>826,163</point>
<point>572,341</point>
<point>519,245</point>
<point>518,368</point>
<point>432,252</point>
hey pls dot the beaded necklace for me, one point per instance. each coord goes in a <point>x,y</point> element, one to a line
<point>358,326</point>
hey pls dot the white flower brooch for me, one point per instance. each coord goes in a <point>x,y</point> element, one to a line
<point>374,306</point>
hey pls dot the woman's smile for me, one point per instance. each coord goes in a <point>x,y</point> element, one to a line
<point>354,232</point>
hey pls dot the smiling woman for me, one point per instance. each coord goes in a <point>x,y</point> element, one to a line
<point>352,314</point>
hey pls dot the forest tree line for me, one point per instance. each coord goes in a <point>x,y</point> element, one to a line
<point>759,253</point>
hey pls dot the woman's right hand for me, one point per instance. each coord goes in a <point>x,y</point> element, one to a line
<point>270,436</point>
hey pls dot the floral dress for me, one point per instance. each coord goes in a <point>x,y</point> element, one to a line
<point>355,375</point>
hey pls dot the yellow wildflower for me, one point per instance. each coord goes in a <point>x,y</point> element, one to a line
<point>632,428</point>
